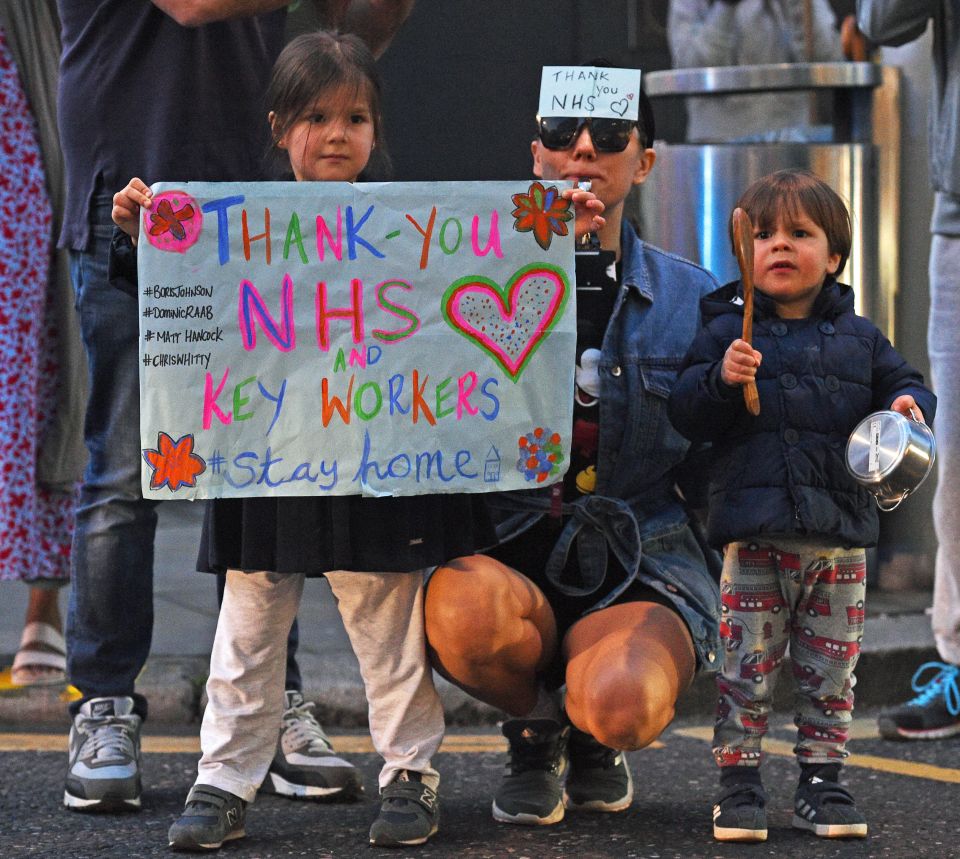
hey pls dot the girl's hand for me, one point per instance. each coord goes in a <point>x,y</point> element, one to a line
<point>740,363</point>
<point>126,207</point>
<point>587,206</point>
<point>904,404</point>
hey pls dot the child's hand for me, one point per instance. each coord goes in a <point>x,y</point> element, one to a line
<point>904,404</point>
<point>740,363</point>
<point>126,207</point>
<point>587,206</point>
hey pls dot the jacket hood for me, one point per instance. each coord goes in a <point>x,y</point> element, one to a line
<point>835,298</point>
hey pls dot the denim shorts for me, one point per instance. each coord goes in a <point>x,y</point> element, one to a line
<point>527,553</point>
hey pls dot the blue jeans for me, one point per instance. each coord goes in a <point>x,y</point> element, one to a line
<point>110,615</point>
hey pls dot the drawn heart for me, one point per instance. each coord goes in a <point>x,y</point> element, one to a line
<point>620,107</point>
<point>509,324</point>
<point>630,96</point>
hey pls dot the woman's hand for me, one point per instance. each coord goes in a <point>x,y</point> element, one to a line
<point>587,206</point>
<point>127,204</point>
<point>740,363</point>
<point>904,405</point>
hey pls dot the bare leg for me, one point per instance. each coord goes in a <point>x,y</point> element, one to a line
<point>44,606</point>
<point>490,631</point>
<point>626,666</point>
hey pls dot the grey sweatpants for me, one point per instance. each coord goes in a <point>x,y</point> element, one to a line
<point>383,616</point>
<point>944,347</point>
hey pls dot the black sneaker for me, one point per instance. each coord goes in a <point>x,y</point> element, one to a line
<point>827,810</point>
<point>532,791</point>
<point>103,769</point>
<point>933,714</point>
<point>210,817</point>
<point>740,814</point>
<point>409,812</point>
<point>599,777</point>
<point>305,765</point>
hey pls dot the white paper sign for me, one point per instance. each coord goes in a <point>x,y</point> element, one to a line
<point>338,339</point>
<point>590,91</point>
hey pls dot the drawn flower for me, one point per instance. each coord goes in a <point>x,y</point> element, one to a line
<point>541,454</point>
<point>541,211</point>
<point>174,463</point>
<point>165,219</point>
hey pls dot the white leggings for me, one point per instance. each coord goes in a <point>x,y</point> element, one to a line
<point>383,616</point>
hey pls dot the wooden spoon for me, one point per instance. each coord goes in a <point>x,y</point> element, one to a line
<point>743,245</point>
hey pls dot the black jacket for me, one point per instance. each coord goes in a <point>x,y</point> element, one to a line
<point>783,472</point>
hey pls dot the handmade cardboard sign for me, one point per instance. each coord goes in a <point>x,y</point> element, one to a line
<point>337,339</point>
<point>590,91</point>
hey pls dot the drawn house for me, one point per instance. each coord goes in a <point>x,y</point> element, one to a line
<point>491,466</point>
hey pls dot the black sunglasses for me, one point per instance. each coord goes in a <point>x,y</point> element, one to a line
<point>608,135</point>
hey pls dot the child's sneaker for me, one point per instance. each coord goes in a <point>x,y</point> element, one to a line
<point>409,812</point>
<point>827,810</point>
<point>599,777</point>
<point>740,813</point>
<point>210,817</point>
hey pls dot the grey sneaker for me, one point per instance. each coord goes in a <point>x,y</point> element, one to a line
<point>210,817</point>
<point>532,791</point>
<point>599,777</point>
<point>409,812</point>
<point>305,765</point>
<point>103,769</point>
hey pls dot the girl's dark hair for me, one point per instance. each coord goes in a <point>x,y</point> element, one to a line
<point>792,193</point>
<point>314,62</point>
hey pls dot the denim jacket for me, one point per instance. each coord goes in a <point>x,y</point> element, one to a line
<point>635,511</point>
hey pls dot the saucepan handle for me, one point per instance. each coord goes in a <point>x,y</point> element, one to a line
<point>888,508</point>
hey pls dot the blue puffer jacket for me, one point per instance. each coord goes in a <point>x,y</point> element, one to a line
<point>783,472</point>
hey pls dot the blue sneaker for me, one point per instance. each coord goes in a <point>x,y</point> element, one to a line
<point>103,773</point>
<point>305,765</point>
<point>933,714</point>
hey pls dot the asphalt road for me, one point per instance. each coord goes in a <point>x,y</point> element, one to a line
<point>909,792</point>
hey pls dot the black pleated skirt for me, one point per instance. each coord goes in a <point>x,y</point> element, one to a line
<point>316,535</point>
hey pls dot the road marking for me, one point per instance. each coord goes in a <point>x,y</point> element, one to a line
<point>782,748</point>
<point>347,743</point>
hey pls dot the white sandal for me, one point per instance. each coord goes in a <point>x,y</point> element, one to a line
<point>29,658</point>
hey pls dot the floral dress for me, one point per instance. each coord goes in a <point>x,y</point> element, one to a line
<point>36,524</point>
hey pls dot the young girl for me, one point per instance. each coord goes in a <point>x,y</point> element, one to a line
<point>794,522</point>
<point>324,101</point>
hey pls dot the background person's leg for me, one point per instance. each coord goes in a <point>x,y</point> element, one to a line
<point>110,613</point>
<point>935,711</point>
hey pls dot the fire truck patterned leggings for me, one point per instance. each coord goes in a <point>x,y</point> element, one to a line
<point>807,596</point>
